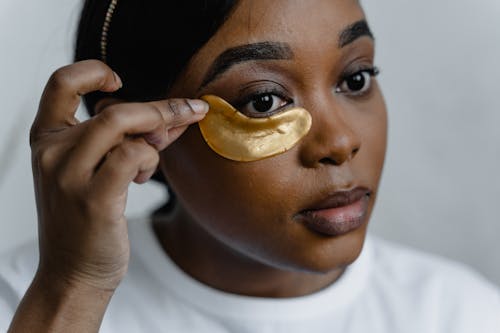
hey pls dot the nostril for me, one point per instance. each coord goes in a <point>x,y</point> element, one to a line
<point>338,159</point>
<point>328,160</point>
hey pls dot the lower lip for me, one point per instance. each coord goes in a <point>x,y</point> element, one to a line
<point>336,221</point>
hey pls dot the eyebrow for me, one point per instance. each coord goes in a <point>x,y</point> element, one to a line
<point>247,52</point>
<point>274,51</point>
<point>353,32</point>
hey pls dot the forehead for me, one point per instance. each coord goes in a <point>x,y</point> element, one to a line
<point>292,21</point>
<point>253,20</point>
<point>306,25</point>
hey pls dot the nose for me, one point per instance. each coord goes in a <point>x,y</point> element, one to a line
<point>333,139</point>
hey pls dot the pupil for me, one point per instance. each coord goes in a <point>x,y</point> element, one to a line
<point>356,82</point>
<point>263,103</point>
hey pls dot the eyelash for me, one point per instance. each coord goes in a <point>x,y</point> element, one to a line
<point>371,72</point>
<point>252,97</point>
<point>241,103</point>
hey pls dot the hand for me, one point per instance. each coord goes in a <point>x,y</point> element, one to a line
<point>82,171</point>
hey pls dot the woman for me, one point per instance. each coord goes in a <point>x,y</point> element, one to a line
<point>255,242</point>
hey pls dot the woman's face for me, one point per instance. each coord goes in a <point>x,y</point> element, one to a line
<point>268,57</point>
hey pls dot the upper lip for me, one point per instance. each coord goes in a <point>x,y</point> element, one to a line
<point>339,199</point>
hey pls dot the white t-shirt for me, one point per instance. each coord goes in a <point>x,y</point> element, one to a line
<point>389,288</point>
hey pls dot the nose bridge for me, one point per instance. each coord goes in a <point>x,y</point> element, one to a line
<point>333,138</point>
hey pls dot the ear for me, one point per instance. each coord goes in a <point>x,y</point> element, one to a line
<point>105,102</point>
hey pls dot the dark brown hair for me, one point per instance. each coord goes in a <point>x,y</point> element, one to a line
<point>149,41</point>
<point>149,44</point>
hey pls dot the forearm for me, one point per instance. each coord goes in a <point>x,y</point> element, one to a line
<point>56,305</point>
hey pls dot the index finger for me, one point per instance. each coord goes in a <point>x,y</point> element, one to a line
<point>62,93</point>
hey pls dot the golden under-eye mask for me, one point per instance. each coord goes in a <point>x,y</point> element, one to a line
<point>237,137</point>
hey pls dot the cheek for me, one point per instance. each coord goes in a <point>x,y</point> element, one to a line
<point>379,131</point>
<point>372,127</point>
<point>233,199</point>
<point>249,206</point>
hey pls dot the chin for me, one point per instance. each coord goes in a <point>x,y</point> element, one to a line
<point>336,254</point>
<point>322,254</point>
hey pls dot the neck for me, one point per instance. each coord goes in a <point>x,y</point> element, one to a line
<point>215,264</point>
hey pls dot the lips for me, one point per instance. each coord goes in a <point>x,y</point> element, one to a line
<point>338,213</point>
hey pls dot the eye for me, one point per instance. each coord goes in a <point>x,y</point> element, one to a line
<point>357,83</point>
<point>262,105</point>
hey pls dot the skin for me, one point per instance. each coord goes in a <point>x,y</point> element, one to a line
<point>242,239</point>
<point>81,174</point>
<point>247,230</point>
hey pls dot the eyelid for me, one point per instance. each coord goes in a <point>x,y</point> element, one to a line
<point>373,71</point>
<point>242,106</point>
<point>253,90</point>
<point>242,101</point>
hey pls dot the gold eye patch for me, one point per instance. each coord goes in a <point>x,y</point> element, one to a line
<point>237,137</point>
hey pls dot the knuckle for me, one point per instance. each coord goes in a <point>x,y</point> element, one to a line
<point>152,158</point>
<point>157,112</point>
<point>98,64</point>
<point>61,79</point>
<point>45,159</point>
<point>174,108</point>
<point>149,159</point>
<point>178,110</point>
<point>128,151</point>
<point>110,117</point>
<point>100,70</point>
<point>139,151</point>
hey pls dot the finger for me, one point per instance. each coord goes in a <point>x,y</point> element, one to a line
<point>175,133</point>
<point>61,96</point>
<point>177,119</point>
<point>132,160</point>
<point>110,127</point>
<point>49,153</point>
<point>177,111</point>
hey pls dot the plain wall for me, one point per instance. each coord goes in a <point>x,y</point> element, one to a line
<point>440,76</point>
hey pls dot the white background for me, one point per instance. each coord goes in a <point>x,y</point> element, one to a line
<point>440,75</point>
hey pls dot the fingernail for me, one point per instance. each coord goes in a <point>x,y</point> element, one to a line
<point>198,106</point>
<point>118,80</point>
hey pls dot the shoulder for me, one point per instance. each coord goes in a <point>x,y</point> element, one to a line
<point>17,268</point>
<point>460,298</point>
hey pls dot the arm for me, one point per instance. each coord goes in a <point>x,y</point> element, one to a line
<point>55,305</point>
<point>81,173</point>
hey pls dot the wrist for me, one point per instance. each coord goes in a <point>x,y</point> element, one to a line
<point>65,286</point>
<point>58,304</point>
<point>80,276</point>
